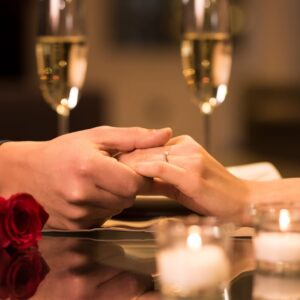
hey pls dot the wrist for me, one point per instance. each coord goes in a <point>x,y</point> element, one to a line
<point>248,199</point>
<point>16,162</point>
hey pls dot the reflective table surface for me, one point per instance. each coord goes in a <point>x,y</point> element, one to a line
<point>103,265</point>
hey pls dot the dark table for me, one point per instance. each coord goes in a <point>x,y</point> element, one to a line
<point>102,265</point>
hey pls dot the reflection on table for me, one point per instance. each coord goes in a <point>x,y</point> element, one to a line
<point>87,266</point>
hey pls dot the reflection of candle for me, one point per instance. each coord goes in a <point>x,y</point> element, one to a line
<point>275,287</point>
<point>187,268</point>
<point>281,246</point>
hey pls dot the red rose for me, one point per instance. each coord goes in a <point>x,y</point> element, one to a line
<point>22,221</point>
<point>4,240</point>
<point>22,274</point>
<point>4,264</point>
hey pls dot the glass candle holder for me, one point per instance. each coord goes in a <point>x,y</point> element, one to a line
<point>270,287</point>
<point>277,239</point>
<point>192,258</point>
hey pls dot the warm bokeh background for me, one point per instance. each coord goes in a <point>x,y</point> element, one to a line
<point>134,77</point>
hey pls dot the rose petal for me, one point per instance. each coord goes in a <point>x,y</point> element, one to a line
<point>24,221</point>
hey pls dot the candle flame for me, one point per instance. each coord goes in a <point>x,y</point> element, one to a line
<point>284,219</point>
<point>194,241</point>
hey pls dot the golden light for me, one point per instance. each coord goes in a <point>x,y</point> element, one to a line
<point>73,97</point>
<point>55,7</point>
<point>284,220</point>
<point>194,241</point>
<point>221,93</point>
<point>206,108</point>
<point>199,11</point>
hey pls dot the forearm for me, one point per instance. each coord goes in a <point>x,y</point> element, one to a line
<point>282,190</point>
<point>274,191</point>
<point>16,167</point>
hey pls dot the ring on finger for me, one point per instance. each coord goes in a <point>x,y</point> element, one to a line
<point>166,156</point>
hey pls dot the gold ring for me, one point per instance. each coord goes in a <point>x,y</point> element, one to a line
<point>166,156</point>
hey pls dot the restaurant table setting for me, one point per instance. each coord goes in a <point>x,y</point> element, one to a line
<point>183,256</point>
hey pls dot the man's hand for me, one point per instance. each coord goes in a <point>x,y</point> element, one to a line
<point>76,177</point>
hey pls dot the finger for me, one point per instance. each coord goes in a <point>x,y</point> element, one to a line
<point>167,172</point>
<point>190,163</point>
<point>158,187</point>
<point>132,158</point>
<point>180,139</point>
<point>96,197</point>
<point>129,139</point>
<point>164,154</point>
<point>110,175</point>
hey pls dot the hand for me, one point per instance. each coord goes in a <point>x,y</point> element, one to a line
<point>84,269</point>
<point>76,177</point>
<point>192,177</point>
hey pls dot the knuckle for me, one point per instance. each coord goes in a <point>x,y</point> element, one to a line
<point>160,169</point>
<point>77,215</point>
<point>186,138</point>
<point>105,127</point>
<point>76,194</point>
<point>131,189</point>
<point>137,129</point>
<point>84,166</point>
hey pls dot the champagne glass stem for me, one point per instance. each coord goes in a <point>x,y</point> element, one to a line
<point>207,132</point>
<point>63,124</point>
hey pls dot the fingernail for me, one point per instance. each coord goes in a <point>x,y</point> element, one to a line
<point>164,129</point>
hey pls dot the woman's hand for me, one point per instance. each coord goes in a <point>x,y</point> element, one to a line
<point>192,177</point>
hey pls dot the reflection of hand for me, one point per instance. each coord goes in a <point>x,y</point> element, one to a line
<point>75,176</point>
<point>79,271</point>
<point>21,273</point>
<point>150,296</point>
<point>191,176</point>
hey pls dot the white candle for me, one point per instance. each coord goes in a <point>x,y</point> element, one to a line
<point>277,246</point>
<point>272,287</point>
<point>280,246</point>
<point>187,270</point>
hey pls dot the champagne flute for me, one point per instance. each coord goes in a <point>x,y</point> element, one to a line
<point>206,52</point>
<point>61,52</point>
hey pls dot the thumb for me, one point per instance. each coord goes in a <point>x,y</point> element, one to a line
<point>131,138</point>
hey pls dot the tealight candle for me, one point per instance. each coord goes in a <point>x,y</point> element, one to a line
<point>277,247</point>
<point>277,241</point>
<point>189,271</point>
<point>192,258</point>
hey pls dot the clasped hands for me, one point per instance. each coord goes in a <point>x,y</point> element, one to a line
<point>84,178</point>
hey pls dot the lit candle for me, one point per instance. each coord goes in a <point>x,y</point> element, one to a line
<point>192,267</point>
<point>280,246</point>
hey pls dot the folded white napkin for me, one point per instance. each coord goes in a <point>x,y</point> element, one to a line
<point>256,171</point>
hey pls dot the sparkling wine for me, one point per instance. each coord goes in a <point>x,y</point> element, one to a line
<point>206,60</point>
<point>62,64</point>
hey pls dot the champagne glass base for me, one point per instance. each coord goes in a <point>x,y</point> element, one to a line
<point>63,124</point>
